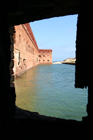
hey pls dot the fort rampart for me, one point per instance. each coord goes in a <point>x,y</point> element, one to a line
<point>26,51</point>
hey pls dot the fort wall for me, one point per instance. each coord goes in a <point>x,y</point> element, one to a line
<point>26,51</point>
<point>45,56</point>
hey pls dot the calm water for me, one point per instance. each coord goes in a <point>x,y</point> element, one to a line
<point>49,90</point>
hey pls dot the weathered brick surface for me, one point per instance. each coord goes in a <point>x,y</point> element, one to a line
<point>45,56</point>
<point>26,51</point>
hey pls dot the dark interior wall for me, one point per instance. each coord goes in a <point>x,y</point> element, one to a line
<point>16,13</point>
<point>26,11</point>
<point>83,46</point>
<point>84,56</point>
<point>7,93</point>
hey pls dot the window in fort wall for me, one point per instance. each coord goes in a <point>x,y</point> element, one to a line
<point>26,46</point>
<point>39,55</point>
<point>24,43</point>
<point>17,57</point>
<point>36,60</point>
<point>29,48</point>
<point>19,38</point>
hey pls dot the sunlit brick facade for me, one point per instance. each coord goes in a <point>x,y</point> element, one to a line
<point>26,51</point>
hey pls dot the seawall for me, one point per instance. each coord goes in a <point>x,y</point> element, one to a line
<point>26,51</point>
<point>69,63</point>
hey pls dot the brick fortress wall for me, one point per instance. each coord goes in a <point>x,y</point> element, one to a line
<point>45,56</point>
<point>26,51</point>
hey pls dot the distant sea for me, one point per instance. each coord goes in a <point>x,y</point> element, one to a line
<point>49,90</point>
<point>56,61</point>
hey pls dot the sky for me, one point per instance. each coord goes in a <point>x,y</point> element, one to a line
<point>58,34</point>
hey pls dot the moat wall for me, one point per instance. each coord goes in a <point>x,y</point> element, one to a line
<point>26,51</point>
<point>45,56</point>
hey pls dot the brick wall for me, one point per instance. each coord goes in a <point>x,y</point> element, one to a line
<point>45,56</point>
<point>26,51</point>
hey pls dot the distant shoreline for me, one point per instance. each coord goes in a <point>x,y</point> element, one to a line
<point>69,61</point>
<point>63,63</point>
<point>56,62</point>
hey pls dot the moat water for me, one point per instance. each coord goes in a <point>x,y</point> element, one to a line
<point>49,90</point>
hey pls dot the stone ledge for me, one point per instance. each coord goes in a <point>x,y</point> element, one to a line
<point>25,114</point>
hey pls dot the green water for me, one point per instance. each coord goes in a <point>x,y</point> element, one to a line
<point>49,90</point>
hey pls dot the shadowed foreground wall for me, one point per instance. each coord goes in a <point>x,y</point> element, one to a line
<point>22,12</point>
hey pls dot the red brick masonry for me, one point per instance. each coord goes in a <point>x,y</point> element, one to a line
<point>26,51</point>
